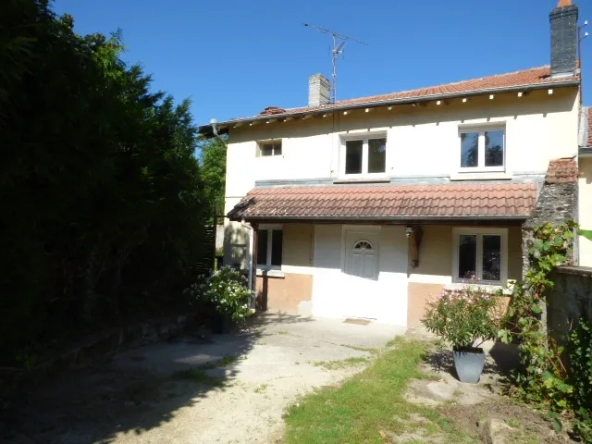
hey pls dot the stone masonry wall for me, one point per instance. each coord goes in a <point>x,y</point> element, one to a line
<point>570,300</point>
<point>557,203</point>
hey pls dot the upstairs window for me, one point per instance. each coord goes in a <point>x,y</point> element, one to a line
<point>270,148</point>
<point>483,149</point>
<point>365,156</point>
<point>269,248</point>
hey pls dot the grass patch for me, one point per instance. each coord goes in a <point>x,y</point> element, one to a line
<point>345,363</point>
<point>199,376</point>
<point>369,403</point>
<point>362,349</point>
<point>227,360</point>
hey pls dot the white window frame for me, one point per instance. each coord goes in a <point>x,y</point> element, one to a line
<point>480,232</point>
<point>481,129</point>
<point>268,228</point>
<point>273,142</point>
<point>364,138</point>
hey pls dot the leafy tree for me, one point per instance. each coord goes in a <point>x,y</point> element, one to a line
<point>103,203</point>
<point>213,162</point>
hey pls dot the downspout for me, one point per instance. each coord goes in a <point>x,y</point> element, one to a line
<point>250,261</point>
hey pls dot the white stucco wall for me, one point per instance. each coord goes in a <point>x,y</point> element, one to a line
<point>421,140</point>
<point>336,294</point>
<point>585,209</point>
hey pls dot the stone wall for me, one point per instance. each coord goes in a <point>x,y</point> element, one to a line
<point>570,300</point>
<point>557,203</point>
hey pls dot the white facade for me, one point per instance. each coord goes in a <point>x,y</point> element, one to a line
<point>364,271</point>
<point>336,293</point>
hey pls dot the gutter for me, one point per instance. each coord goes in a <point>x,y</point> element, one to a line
<point>208,130</point>
<point>379,218</point>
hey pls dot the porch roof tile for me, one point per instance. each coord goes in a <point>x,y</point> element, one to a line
<point>388,202</point>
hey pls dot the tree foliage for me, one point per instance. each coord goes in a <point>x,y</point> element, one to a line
<point>213,162</point>
<point>103,204</point>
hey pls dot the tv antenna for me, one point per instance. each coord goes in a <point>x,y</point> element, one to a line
<point>339,41</point>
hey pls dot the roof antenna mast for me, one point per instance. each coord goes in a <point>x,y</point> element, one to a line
<point>339,41</point>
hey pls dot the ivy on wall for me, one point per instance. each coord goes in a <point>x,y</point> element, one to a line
<point>543,377</point>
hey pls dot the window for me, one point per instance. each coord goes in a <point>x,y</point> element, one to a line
<point>270,148</point>
<point>482,149</point>
<point>480,255</point>
<point>365,156</point>
<point>269,248</point>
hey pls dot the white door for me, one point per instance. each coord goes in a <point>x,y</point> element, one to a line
<point>363,259</point>
<point>361,292</point>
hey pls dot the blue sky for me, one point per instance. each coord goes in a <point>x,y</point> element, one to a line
<point>233,58</point>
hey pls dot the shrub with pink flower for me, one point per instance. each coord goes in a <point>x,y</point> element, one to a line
<point>463,317</point>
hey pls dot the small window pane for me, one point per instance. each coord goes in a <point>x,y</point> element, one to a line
<point>492,258</point>
<point>262,247</point>
<point>276,247</point>
<point>494,148</point>
<point>469,146</point>
<point>377,155</point>
<point>353,156</point>
<point>467,256</point>
<point>277,149</point>
<point>363,245</point>
<point>267,149</point>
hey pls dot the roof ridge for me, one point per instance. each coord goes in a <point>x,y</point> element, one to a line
<point>518,71</point>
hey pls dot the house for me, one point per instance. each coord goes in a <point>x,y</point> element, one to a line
<point>369,207</point>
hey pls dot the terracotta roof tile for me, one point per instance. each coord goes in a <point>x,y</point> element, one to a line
<point>529,77</point>
<point>388,202</point>
<point>562,171</point>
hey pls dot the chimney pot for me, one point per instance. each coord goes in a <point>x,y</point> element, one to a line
<point>319,90</point>
<point>564,37</point>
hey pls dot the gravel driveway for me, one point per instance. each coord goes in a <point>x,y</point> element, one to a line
<point>200,389</point>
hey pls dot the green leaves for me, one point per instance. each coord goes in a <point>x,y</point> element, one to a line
<point>463,316</point>
<point>103,203</point>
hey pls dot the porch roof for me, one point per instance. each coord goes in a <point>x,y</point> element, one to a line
<point>388,202</point>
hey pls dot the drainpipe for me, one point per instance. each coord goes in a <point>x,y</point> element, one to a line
<point>250,262</point>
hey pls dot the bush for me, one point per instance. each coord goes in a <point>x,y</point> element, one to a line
<point>462,317</point>
<point>579,349</point>
<point>226,290</point>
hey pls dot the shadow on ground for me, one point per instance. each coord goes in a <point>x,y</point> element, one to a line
<point>500,361</point>
<point>135,391</point>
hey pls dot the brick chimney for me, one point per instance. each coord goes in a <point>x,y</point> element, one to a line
<point>564,39</point>
<point>319,89</point>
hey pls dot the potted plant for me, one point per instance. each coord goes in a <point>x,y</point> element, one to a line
<point>227,293</point>
<point>465,318</point>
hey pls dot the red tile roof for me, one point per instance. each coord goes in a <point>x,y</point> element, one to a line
<point>388,202</point>
<point>563,170</point>
<point>532,77</point>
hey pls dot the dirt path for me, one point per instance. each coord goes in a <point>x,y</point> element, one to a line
<point>168,393</point>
